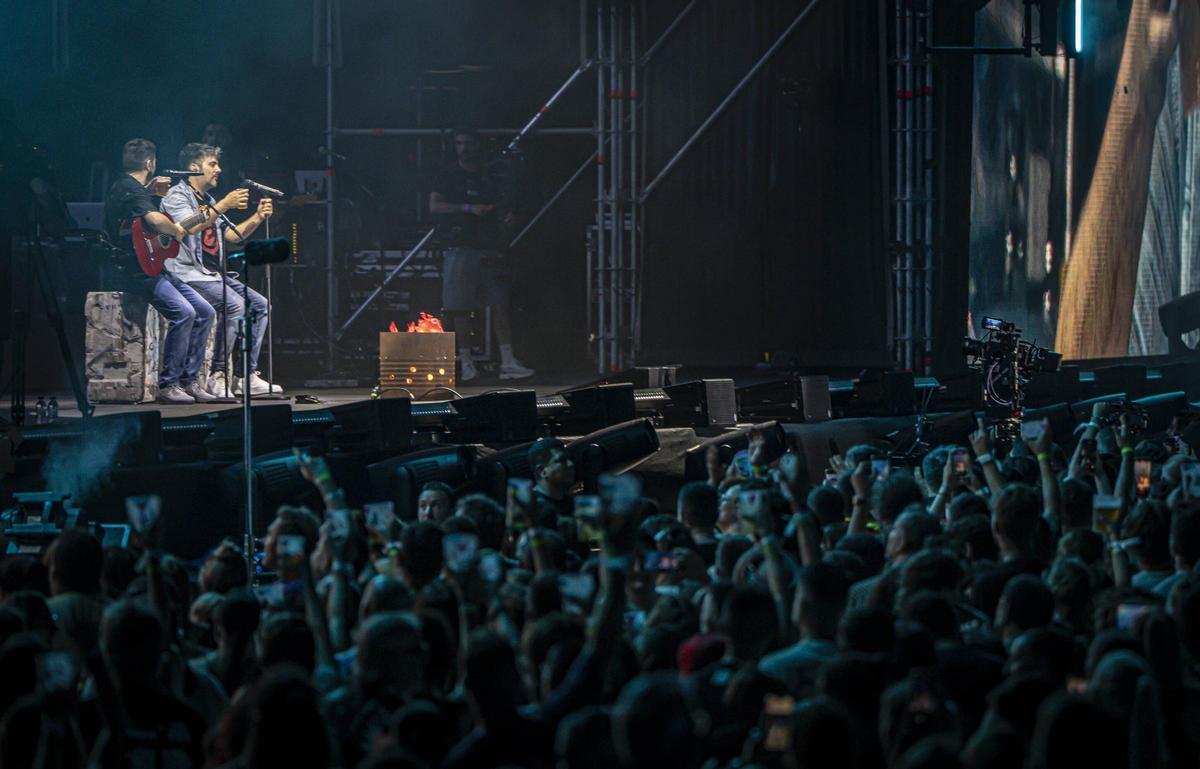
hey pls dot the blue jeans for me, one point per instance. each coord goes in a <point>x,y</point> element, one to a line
<point>212,293</point>
<point>189,318</point>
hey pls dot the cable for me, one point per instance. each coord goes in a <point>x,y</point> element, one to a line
<point>457,395</point>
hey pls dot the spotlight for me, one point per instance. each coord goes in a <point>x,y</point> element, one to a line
<point>613,449</point>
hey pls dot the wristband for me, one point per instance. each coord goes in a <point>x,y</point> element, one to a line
<point>1126,450</point>
<point>858,500</point>
<point>1043,456</point>
<point>983,459</point>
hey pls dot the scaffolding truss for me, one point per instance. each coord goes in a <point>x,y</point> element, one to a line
<point>611,45</point>
<point>912,215</point>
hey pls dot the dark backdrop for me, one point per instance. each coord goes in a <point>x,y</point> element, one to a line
<point>767,239</point>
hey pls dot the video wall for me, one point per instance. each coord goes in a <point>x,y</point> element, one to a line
<point>1083,220</point>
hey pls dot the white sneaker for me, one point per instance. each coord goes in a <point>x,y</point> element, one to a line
<point>467,370</point>
<point>174,394</point>
<point>260,386</point>
<point>216,385</point>
<point>199,394</point>
<point>514,369</point>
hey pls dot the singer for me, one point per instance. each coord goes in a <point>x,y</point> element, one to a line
<point>200,255</point>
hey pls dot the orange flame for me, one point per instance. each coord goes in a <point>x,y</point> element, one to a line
<point>392,328</point>
<point>426,324</point>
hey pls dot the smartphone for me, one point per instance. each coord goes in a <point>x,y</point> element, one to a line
<point>490,568</point>
<point>458,550</point>
<point>1142,470</point>
<point>741,462</point>
<point>658,563</point>
<point>289,555</point>
<point>577,588</point>
<point>778,722</point>
<point>1087,450</point>
<point>961,461</point>
<point>57,672</point>
<point>380,516</point>
<point>1032,430</point>
<point>589,511</point>
<point>1106,509</point>
<point>522,490</point>
<point>339,524</point>
<point>831,479</point>
<point>880,469</point>
<point>143,511</point>
<point>1077,685</point>
<point>1129,613</point>
<point>789,465</point>
<point>621,493</point>
<point>752,507</point>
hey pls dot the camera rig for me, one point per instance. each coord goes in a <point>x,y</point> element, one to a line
<point>1007,364</point>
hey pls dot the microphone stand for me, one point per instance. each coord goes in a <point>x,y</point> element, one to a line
<point>246,327</point>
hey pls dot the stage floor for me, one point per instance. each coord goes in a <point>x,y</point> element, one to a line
<point>326,397</point>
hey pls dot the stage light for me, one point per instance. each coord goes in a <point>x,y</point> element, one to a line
<point>400,479</point>
<point>493,471</point>
<point>613,449</point>
<point>276,481</point>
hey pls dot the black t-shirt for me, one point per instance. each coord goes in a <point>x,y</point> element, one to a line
<point>127,199</point>
<point>459,186</point>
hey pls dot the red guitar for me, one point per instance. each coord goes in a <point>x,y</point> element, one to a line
<point>153,248</point>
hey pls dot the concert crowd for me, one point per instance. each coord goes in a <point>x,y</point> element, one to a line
<point>1031,607</point>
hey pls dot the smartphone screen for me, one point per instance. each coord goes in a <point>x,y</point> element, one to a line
<point>1129,613</point>
<point>339,524</point>
<point>589,511</point>
<point>1033,430</point>
<point>751,508</point>
<point>57,672</point>
<point>741,461</point>
<point>490,568</point>
<point>577,588</point>
<point>1107,509</point>
<point>657,562</point>
<point>1142,470</point>
<point>621,493</point>
<point>380,516</point>
<point>289,555</point>
<point>778,720</point>
<point>459,551</point>
<point>880,469</point>
<point>961,461</point>
<point>143,511</point>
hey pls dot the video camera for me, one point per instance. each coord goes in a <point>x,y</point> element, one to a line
<point>1007,363</point>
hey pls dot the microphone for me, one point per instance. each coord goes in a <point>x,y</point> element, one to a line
<point>179,174</point>
<point>264,189</point>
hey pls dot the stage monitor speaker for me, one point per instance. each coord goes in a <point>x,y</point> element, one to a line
<point>380,424</point>
<point>642,377</point>
<point>701,403</point>
<point>271,431</point>
<point>400,479</point>
<point>596,407</point>
<point>803,399</point>
<point>496,417</point>
<point>728,444</point>
<point>113,441</point>
<point>1178,317</point>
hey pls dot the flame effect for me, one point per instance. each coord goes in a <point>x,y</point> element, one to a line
<point>426,324</point>
<point>392,328</point>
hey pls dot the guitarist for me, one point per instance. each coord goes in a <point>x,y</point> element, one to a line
<point>188,315</point>
<point>207,240</point>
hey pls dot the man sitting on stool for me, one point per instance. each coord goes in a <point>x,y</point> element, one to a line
<point>208,238</point>
<point>465,199</point>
